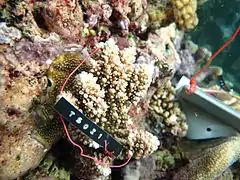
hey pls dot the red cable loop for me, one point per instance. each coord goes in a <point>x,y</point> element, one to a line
<point>87,156</point>
<point>106,151</point>
<point>84,60</point>
<point>68,135</point>
<point>193,83</point>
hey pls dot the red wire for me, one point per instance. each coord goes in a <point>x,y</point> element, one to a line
<point>84,60</point>
<point>68,135</point>
<point>193,84</point>
<point>106,150</point>
<point>87,156</point>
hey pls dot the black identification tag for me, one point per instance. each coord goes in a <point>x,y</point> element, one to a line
<point>87,126</point>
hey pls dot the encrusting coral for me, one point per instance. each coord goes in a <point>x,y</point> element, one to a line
<point>35,17</point>
<point>43,50</point>
<point>21,82</point>
<point>213,161</point>
<point>20,14</point>
<point>19,151</point>
<point>8,34</point>
<point>107,88</point>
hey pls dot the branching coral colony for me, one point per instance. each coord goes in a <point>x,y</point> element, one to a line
<point>104,89</point>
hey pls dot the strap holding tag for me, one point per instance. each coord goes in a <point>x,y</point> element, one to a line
<point>87,126</point>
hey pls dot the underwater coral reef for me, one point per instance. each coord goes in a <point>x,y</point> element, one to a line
<point>88,92</point>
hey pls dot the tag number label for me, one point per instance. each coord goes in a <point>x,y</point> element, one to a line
<point>87,126</point>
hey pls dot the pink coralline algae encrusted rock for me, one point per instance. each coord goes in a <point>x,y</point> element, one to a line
<point>64,18</point>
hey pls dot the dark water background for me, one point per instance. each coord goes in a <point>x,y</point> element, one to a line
<point>218,20</point>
